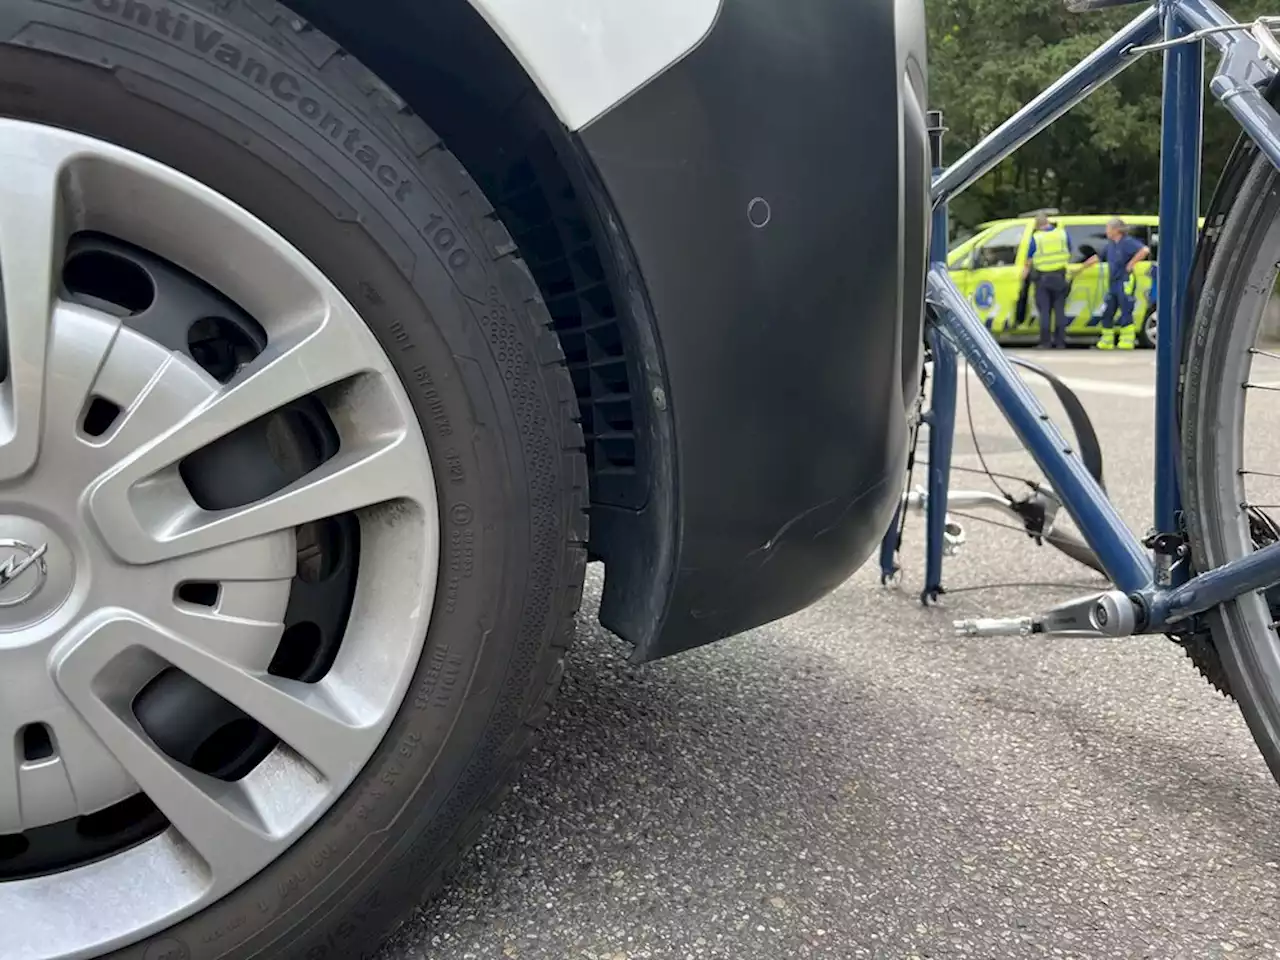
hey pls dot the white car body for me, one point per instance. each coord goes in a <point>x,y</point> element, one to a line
<point>587,56</point>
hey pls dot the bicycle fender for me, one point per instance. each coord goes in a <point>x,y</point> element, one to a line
<point>1087,444</point>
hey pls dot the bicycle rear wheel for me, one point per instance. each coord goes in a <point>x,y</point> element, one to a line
<point>1230,448</point>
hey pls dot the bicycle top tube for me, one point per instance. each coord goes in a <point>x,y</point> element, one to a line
<point>1068,90</point>
<point>1243,68</point>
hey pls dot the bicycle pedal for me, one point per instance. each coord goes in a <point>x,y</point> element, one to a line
<point>996,627</point>
<point>1107,614</point>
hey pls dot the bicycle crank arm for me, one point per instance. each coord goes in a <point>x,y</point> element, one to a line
<point>1107,614</point>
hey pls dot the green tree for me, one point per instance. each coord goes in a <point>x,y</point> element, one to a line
<point>989,57</point>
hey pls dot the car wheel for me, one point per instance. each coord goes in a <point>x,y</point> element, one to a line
<point>1147,330</point>
<point>292,493</point>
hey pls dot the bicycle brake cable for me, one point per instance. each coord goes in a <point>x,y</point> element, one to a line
<point>973,432</point>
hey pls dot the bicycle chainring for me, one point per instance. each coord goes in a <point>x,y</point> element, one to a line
<point>1200,646</point>
<point>1204,655</point>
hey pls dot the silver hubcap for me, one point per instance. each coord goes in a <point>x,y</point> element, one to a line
<point>99,532</point>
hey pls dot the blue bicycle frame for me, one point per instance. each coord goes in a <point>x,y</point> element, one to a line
<point>1154,582</point>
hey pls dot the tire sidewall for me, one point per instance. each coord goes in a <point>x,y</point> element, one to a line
<point>418,269</point>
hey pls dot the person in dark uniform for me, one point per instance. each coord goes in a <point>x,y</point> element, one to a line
<point>1048,256</point>
<point>1122,253</point>
<point>1026,290</point>
<point>1153,303</point>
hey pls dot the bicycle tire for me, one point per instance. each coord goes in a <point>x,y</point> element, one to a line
<point>1237,282</point>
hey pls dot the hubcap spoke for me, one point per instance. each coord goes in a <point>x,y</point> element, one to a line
<point>348,482</point>
<point>308,359</point>
<point>383,468</point>
<point>81,344</point>
<point>152,387</point>
<point>33,232</point>
<point>263,559</point>
<point>308,717</point>
<point>212,816</point>
<point>251,581</point>
<point>242,643</point>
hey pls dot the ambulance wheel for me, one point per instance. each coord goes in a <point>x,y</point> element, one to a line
<point>1146,338</point>
<point>292,492</point>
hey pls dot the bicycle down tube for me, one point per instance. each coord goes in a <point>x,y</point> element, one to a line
<point>1122,556</point>
<point>1180,28</point>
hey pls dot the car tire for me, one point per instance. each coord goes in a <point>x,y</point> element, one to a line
<point>398,227</point>
<point>1146,338</point>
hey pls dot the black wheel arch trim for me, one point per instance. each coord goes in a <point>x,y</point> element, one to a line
<point>783,256</point>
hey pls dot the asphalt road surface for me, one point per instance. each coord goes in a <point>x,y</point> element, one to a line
<point>856,782</point>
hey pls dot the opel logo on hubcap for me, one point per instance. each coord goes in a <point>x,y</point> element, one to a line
<point>22,571</point>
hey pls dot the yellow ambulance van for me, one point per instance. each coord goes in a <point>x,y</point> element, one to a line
<point>987,267</point>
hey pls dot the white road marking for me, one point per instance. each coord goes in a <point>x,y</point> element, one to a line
<point>1086,385</point>
<point>1097,358</point>
<point>1107,386</point>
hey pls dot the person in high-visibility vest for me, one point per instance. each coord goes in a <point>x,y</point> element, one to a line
<point>1122,253</point>
<point>1048,257</point>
